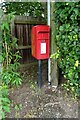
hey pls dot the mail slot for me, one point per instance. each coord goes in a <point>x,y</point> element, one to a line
<point>40,38</point>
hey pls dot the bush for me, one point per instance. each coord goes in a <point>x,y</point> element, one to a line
<point>68,44</point>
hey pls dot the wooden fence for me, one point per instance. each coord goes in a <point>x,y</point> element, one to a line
<point>22,31</point>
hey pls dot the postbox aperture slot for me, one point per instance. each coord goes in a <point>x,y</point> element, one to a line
<point>43,32</point>
<point>44,35</point>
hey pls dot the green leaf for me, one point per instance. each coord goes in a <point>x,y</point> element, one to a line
<point>5,100</point>
<point>6,108</point>
<point>2,114</point>
<point>16,107</point>
<point>61,28</point>
<point>1,58</point>
<point>76,11</point>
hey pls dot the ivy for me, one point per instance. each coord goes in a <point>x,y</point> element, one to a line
<point>34,9</point>
<point>68,43</point>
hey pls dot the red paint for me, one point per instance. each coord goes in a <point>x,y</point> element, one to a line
<point>40,38</point>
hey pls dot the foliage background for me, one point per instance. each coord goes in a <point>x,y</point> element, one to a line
<point>68,43</point>
<point>34,9</point>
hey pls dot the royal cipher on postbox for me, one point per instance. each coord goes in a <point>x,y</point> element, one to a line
<point>40,39</point>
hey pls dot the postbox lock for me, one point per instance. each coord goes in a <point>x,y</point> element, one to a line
<point>43,40</point>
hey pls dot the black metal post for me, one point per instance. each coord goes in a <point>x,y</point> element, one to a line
<point>39,74</point>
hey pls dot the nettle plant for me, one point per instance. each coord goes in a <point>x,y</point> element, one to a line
<point>10,57</point>
<point>4,101</point>
<point>68,44</point>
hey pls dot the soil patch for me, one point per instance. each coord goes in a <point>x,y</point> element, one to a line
<point>28,101</point>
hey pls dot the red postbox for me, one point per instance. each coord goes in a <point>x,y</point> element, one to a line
<point>40,38</point>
